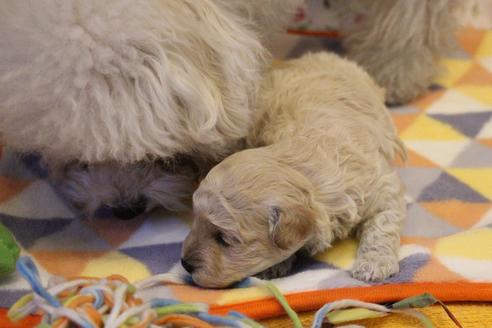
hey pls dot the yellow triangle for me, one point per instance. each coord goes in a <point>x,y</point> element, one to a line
<point>342,254</point>
<point>480,93</point>
<point>455,69</point>
<point>480,179</point>
<point>116,262</point>
<point>426,128</point>
<point>239,295</point>
<point>471,244</point>
<point>485,48</point>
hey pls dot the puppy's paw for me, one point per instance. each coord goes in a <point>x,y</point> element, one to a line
<point>278,270</point>
<point>375,267</point>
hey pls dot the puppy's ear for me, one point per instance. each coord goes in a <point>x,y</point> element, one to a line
<point>290,226</point>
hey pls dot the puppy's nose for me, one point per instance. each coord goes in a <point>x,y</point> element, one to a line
<point>129,211</point>
<point>188,267</point>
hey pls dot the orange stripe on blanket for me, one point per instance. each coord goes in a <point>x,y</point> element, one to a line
<point>29,322</point>
<point>309,301</point>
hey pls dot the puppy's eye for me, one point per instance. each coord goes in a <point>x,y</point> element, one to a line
<point>220,239</point>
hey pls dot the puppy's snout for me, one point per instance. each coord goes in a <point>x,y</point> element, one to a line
<point>187,265</point>
<point>129,211</point>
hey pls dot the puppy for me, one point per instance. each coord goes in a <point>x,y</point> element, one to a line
<point>321,170</point>
<point>400,42</point>
<point>117,83</point>
<point>128,190</point>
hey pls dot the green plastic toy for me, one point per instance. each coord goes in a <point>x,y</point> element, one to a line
<point>9,252</point>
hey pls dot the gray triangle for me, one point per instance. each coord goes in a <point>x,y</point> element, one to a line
<point>76,236</point>
<point>447,187</point>
<point>475,155</point>
<point>469,124</point>
<point>420,223</point>
<point>417,179</point>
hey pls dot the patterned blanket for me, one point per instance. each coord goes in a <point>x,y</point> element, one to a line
<point>447,239</point>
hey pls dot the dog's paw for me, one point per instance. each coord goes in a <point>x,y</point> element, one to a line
<point>375,267</point>
<point>278,270</point>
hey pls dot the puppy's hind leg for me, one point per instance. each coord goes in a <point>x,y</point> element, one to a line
<point>379,237</point>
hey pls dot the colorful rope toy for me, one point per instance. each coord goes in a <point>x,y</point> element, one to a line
<point>112,303</point>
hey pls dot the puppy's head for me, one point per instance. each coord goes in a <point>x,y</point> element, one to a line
<point>127,190</point>
<point>251,212</point>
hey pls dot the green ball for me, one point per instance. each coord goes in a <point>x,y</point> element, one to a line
<point>9,251</point>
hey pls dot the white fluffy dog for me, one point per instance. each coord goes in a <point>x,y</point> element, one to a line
<point>116,84</point>
<point>323,170</point>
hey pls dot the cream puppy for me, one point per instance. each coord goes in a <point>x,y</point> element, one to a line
<point>322,170</point>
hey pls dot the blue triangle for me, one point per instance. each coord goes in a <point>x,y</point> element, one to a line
<point>27,231</point>
<point>469,124</point>
<point>157,258</point>
<point>447,187</point>
<point>409,266</point>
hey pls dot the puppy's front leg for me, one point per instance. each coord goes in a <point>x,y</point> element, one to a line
<point>379,235</point>
<point>377,255</point>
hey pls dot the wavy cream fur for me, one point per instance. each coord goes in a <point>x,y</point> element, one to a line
<point>320,168</point>
<point>401,42</point>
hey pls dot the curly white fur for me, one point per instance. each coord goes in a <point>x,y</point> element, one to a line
<point>123,80</point>
<point>322,170</point>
